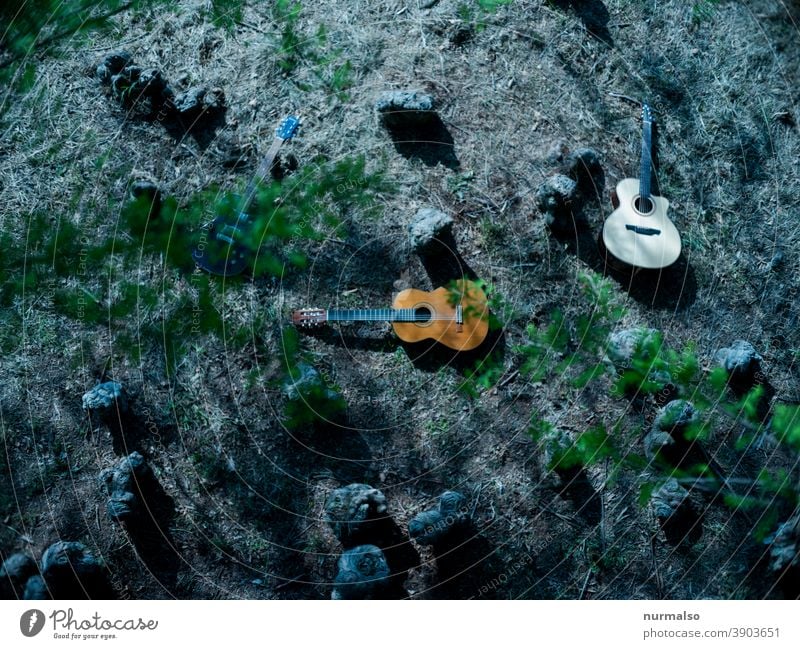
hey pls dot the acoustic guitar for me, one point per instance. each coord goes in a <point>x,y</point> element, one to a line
<point>457,318</point>
<point>221,251</point>
<point>639,233</point>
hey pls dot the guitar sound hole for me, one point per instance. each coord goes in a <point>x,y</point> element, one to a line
<point>422,314</point>
<point>644,205</point>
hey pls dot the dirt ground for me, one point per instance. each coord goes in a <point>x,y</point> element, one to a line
<point>243,510</point>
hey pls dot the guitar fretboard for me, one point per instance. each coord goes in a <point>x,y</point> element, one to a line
<point>261,173</point>
<point>380,315</point>
<point>646,167</point>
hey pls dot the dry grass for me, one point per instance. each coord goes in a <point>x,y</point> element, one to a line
<point>533,76</point>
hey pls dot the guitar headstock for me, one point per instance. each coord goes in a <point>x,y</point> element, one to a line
<point>288,127</point>
<point>647,115</point>
<point>309,317</point>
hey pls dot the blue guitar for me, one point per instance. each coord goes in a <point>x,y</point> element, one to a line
<point>221,252</point>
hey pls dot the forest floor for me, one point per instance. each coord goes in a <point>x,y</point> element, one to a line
<point>246,495</point>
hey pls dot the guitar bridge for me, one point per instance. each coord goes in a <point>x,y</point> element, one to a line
<point>459,318</point>
<point>638,229</point>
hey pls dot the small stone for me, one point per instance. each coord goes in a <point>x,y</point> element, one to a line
<point>557,152</point>
<point>190,101</point>
<point>453,504</point>
<point>70,570</point>
<point>427,4</point>
<point>436,526</point>
<point>363,574</point>
<point>106,399</point>
<point>555,443</point>
<point>626,344</point>
<point>14,572</point>
<point>428,527</point>
<point>124,484</point>
<point>584,167</point>
<point>676,418</point>
<point>112,64</point>
<point>123,84</point>
<point>309,380</point>
<point>200,103</point>
<point>353,511</point>
<point>152,84</point>
<point>742,363</point>
<point>143,188</point>
<point>557,198</point>
<point>36,589</point>
<point>668,440</point>
<point>669,499</point>
<point>784,546</point>
<point>658,444</point>
<point>405,109</point>
<point>149,193</point>
<point>428,225</point>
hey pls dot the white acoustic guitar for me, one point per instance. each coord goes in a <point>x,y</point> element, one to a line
<point>638,232</point>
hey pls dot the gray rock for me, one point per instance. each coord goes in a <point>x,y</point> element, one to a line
<point>626,346</point>
<point>584,167</point>
<point>452,503</point>
<point>436,526</point>
<point>124,484</point>
<point>353,511</point>
<point>200,103</point>
<point>428,225</point>
<point>658,444</point>
<point>148,191</point>
<point>134,86</point>
<point>784,546</point>
<point>742,363</point>
<point>557,199</point>
<point>112,64</point>
<point>152,84</point>
<point>106,400</point>
<point>623,346</point>
<point>557,152</point>
<point>667,439</point>
<point>14,572</point>
<point>676,418</point>
<point>428,527</point>
<point>70,556</point>
<point>36,589</point>
<point>309,380</point>
<point>405,110</point>
<point>70,570</point>
<point>363,573</point>
<point>123,84</point>
<point>554,444</point>
<point>427,4</point>
<point>144,188</point>
<point>669,499</point>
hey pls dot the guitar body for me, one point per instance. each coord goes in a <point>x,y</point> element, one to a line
<point>641,239</point>
<point>442,325</point>
<point>218,252</point>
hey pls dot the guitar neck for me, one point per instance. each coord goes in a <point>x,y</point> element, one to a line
<point>646,169</point>
<point>375,315</point>
<point>263,170</point>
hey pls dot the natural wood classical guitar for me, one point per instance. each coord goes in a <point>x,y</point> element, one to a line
<point>638,232</point>
<point>457,317</point>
